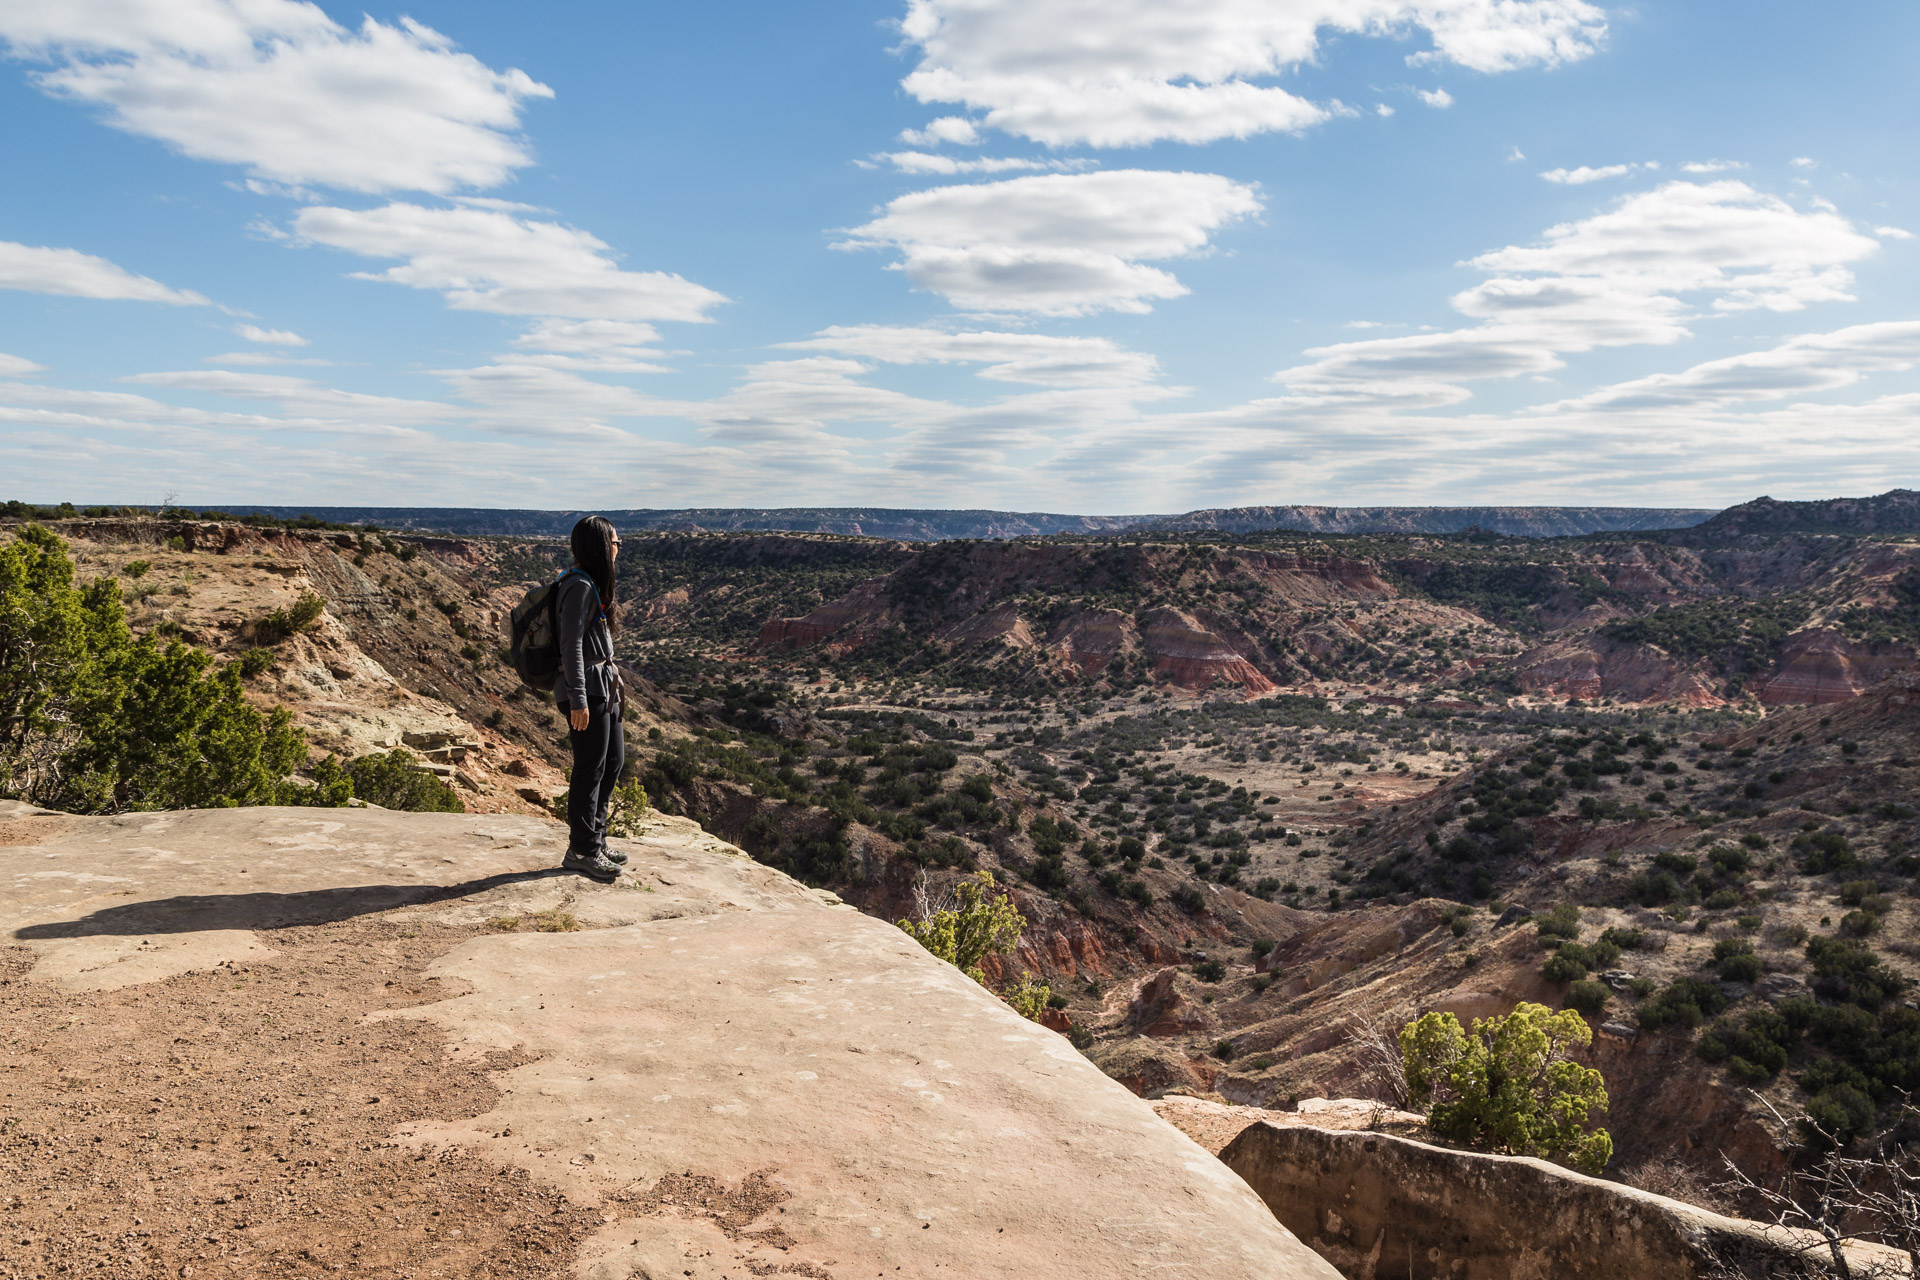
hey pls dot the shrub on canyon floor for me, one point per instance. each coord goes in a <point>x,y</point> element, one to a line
<point>302,615</point>
<point>1685,1003</point>
<point>1509,1084</point>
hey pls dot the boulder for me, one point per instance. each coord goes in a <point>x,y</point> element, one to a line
<point>1159,1009</point>
<point>1146,1066</point>
<point>1376,1206</point>
<point>1776,987</point>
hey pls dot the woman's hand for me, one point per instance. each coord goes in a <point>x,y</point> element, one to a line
<point>578,716</point>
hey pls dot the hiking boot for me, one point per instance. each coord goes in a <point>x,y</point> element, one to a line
<point>614,856</point>
<point>591,865</point>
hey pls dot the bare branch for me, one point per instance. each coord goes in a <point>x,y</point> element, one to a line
<point>1875,1197</point>
<point>1381,1066</point>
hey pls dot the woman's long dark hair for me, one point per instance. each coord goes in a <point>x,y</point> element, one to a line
<point>593,552</point>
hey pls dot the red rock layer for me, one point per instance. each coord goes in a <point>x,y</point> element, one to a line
<point>857,609</point>
<point>1091,640</point>
<point>1592,667</point>
<point>1001,624</point>
<point>1193,657</point>
<point>1821,666</point>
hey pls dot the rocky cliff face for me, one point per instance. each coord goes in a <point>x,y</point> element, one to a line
<point>1367,1200</point>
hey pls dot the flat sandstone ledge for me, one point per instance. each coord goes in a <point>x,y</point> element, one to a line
<point>1214,1122</point>
<point>1382,1206</point>
<point>711,1018</point>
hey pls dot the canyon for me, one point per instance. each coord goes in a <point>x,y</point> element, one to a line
<point>1256,795</point>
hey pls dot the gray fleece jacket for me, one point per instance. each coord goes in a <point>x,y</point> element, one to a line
<point>587,674</point>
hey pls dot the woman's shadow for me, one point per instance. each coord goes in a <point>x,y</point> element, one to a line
<point>197,913</point>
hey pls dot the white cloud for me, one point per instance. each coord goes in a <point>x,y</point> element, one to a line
<point>497,205</point>
<point>599,346</point>
<point>1035,358</point>
<point>1057,244</point>
<point>1622,277</point>
<point>788,404</point>
<point>813,430</point>
<point>18,366</point>
<point>277,190</point>
<point>1712,166</point>
<point>1114,73</point>
<point>270,337</point>
<point>1515,155</point>
<point>1805,365</point>
<point>588,336</point>
<point>1439,99</point>
<point>486,260</point>
<point>1893,233</point>
<point>300,395</point>
<point>266,358</point>
<point>1584,174</point>
<point>932,162</point>
<point>1750,249</point>
<point>1382,110</point>
<point>278,87</point>
<point>73,274</point>
<point>1804,162</point>
<point>955,129</point>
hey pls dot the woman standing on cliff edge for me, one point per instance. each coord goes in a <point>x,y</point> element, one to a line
<point>589,695</point>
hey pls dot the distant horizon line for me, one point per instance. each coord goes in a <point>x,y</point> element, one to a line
<point>289,508</point>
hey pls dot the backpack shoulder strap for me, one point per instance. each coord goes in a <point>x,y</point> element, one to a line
<point>553,597</point>
<point>582,573</point>
<point>553,607</point>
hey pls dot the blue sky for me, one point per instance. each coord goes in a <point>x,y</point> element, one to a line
<point>1038,254</point>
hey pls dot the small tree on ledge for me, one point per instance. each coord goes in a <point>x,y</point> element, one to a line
<point>1509,1085</point>
<point>973,924</point>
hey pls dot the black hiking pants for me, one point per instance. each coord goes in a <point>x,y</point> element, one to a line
<point>599,751</point>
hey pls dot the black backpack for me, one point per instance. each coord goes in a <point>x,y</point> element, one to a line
<point>534,632</point>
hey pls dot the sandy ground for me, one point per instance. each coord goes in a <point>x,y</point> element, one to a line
<point>236,1122</point>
